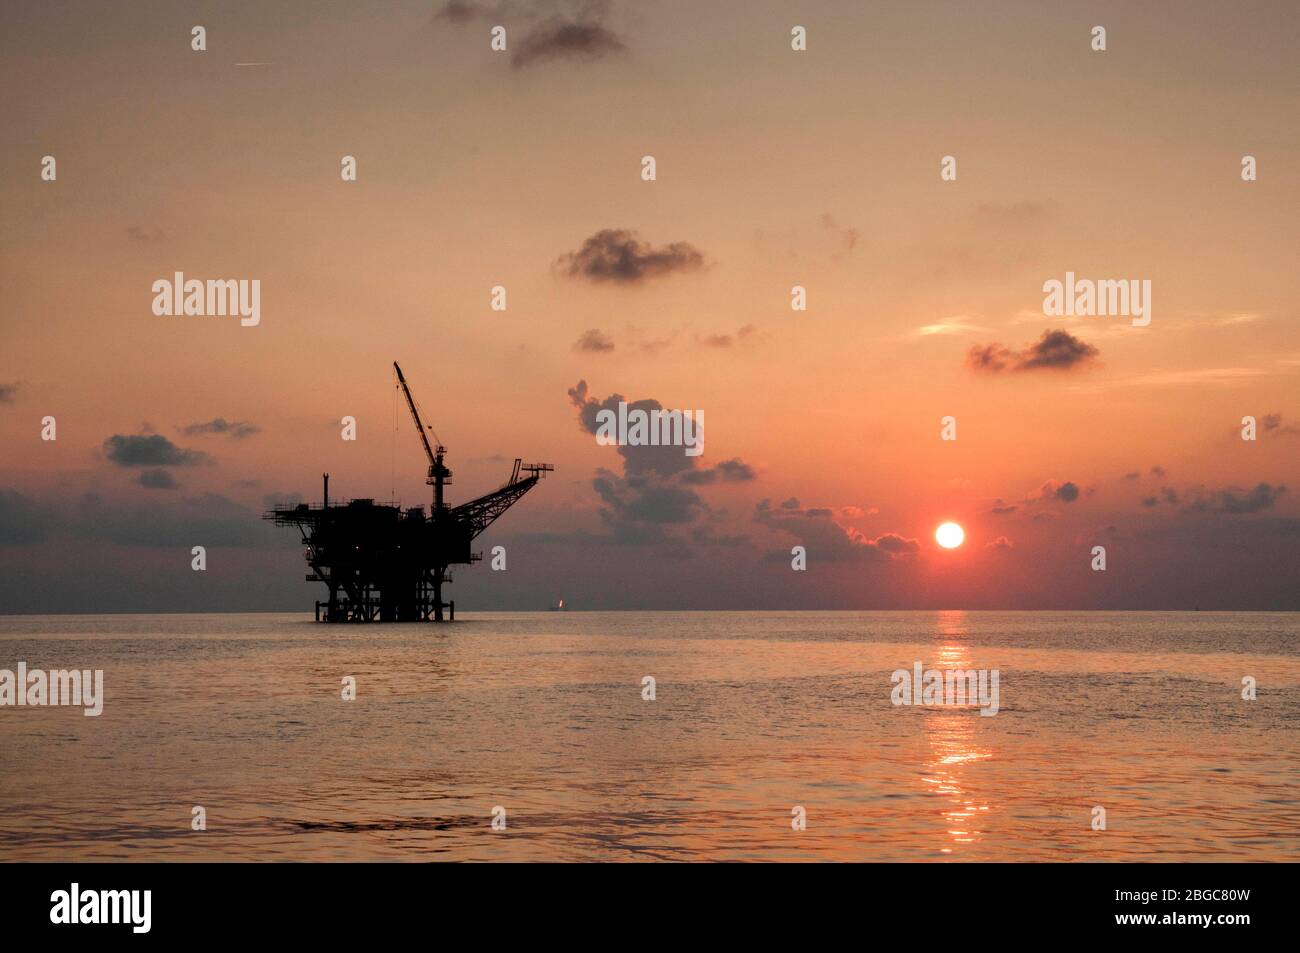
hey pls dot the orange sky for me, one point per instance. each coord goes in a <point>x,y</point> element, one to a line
<point>818,168</point>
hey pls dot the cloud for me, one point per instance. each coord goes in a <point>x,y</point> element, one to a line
<point>845,237</point>
<point>1000,508</point>
<point>594,341</point>
<point>1013,214</point>
<point>460,11</point>
<point>655,490</point>
<point>646,499</point>
<point>207,520</point>
<point>239,429</point>
<point>1209,377</point>
<point>894,544</point>
<point>617,255</point>
<point>664,460</point>
<point>726,340</point>
<point>1159,472</point>
<point>24,522</point>
<point>146,237</point>
<point>728,471</point>
<point>1000,543</point>
<point>149,450</point>
<point>1235,500</point>
<point>827,541</point>
<point>1231,320</point>
<point>1272,423</point>
<point>158,480</point>
<point>949,326</point>
<point>574,31</point>
<point>1067,492</point>
<point>584,37</point>
<point>8,392</point>
<point>1055,350</point>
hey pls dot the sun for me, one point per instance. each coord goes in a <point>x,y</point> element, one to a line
<point>949,535</point>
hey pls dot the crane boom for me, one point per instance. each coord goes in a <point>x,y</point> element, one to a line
<point>415,414</point>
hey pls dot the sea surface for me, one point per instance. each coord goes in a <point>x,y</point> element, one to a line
<point>754,716</point>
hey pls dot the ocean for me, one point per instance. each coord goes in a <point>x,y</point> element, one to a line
<point>770,736</point>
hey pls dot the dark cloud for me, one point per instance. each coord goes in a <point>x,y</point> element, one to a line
<point>583,37</point>
<point>1159,472</point>
<point>1055,350</point>
<point>7,392</point>
<point>1272,423</point>
<point>24,522</point>
<point>1002,508</point>
<point>1235,500</point>
<point>735,470</point>
<point>827,541</point>
<point>595,341</point>
<point>727,340</point>
<point>574,31</point>
<point>149,450</point>
<point>1132,475</point>
<point>647,499</point>
<point>654,491</point>
<point>893,543</point>
<point>728,471</point>
<point>460,11</point>
<point>617,255</point>
<point>207,520</point>
<point>1066,492</point>
<point>664,460</point>
<point>239,429</point>
<point>158,480</point>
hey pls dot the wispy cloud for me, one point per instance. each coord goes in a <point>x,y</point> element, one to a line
<point>1205,376</point>
<point>955,325</point>
<point>238,429</point>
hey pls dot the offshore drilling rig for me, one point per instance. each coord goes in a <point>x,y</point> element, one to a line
<point>383,563</point>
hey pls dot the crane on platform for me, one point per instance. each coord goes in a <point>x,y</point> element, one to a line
<point>439,475</point>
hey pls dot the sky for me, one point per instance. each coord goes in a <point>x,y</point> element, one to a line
<point>774,168</point>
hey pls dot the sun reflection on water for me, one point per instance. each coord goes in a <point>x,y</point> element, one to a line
<point>951,734</point>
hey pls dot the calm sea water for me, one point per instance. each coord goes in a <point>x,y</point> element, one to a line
<point>542,714</point>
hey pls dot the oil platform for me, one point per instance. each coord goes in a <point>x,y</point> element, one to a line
<point>383,563</point>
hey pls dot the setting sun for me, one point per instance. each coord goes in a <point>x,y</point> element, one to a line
<point>949,535</point>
